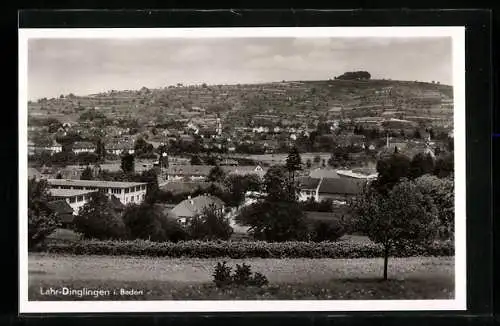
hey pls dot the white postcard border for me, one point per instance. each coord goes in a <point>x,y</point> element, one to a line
<point>457,33</point>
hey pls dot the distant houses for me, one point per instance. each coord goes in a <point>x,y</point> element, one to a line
<point>117,148</point>
<point>83,147</point>
<point>200,172</point>
<point>188,172</point>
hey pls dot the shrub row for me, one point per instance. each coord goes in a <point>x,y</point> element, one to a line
<point>250,249</point>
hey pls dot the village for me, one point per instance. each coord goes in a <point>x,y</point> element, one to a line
<point>339,140</point>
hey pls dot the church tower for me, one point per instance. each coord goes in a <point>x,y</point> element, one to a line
<point>219,127</point>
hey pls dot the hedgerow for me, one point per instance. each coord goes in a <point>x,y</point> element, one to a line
<point>250,249</point>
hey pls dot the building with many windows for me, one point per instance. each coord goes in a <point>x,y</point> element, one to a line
<point>126,192</point>
<point>75,198</point>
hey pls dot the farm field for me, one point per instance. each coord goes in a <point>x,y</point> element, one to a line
<point>188,278</point>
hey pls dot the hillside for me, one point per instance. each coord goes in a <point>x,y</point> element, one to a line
<point>241,104</point>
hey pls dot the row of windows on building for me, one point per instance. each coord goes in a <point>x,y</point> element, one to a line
<point>82,198</point>
<point>111,190</point>
<point>132,199</point>
<point>78,199</point>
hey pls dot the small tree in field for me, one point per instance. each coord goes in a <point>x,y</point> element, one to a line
<point>403,216</point>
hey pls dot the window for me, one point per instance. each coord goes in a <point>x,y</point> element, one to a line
<point>127,190</point>
<point>79,198</point>
<point>72,200</point>
<point>132,198</point>
<point>137,188</point>
<point>137,197</point>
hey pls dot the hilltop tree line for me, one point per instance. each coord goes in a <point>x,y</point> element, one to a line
<point>354,75</point>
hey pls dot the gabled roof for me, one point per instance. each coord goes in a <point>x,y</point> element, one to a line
<point>195,206</point>
<point>83,144</point>
<point>309,183</point>
<point>323,173</point>
<point>341,186</point>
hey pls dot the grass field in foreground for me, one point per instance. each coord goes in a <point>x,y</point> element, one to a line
<point>182,279</point>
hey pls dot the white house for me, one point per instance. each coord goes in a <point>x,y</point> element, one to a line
<point>126,192</point>
<point>309,188</point>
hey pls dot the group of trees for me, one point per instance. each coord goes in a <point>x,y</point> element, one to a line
<point>98,220</point>
<point>143,149</point>
<point>407,204</point>
<point>354,75</point>
<point>393,168</point>
<point>279,216</point>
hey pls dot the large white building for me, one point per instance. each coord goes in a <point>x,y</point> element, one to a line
<point>126,192</point>
<point>75,198</point>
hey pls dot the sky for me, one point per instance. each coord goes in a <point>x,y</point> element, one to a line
<point>87,66</point>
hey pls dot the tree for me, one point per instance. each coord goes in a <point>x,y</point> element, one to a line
<point>403,216</point>
<point>293,163</point>
<point>151,178</point>
<point>100,149</point>
<point>144,222</point>
<point>328,230</point>
<point>41,221</point>
<point>195,160</point>
<point>390,170</point>
<point>216,174</point>
<point>421,164</point>
<point>87,174</point>
<point>445,165</point>
<point>210,225</point>
<point>147,221</point>
<point>442,192</point>
<point>96,219</point>
<point>127,164</point>
<point>274,221</point>
<point>236,187</point>
<point>143,148</point>
<point>278,187</point>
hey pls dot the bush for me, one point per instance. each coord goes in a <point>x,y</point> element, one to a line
<point>210,225</point>
<point>327,230</point>
<point>222,275</point>
<point>246,249</point>
<point>242,276</point>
